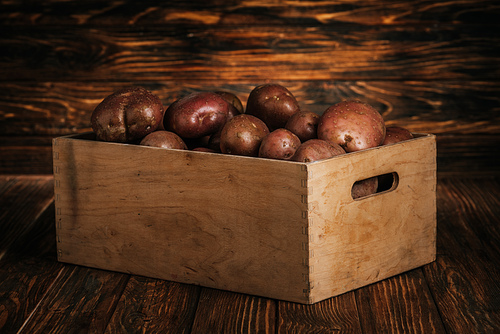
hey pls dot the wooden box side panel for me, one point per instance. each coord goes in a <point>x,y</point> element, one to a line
<point>221,221</point>
<point>357,242</point>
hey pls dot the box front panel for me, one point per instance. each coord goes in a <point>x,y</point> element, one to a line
<point>221,221</point>
<point>358,242</point>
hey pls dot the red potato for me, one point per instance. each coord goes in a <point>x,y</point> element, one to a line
<point>364,187</point>
<point>272,103</point>
<point>280,144</point>
<point>197,115</point>
<point>354,125</point>
<point>127,115</point>
<point>304,124</point>
<point>316,149</point>
<point>395,134</point>
<point>242,135</point>
<point>234,101</point>
<point>164,139</point>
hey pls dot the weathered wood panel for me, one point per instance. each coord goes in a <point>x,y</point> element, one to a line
<point>226,312</point>
<point>439,107</point>
<point>153,306</point>
<point>464,278</point>
<point>113,12</point>
<point>233,54</point>
<point>401,304</point>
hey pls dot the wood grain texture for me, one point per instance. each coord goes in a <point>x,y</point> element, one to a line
<point>231,54</point>
<point>226,312</point>
<point>35,193</point>
<point>353,243</point>
<point>79,300</point>
<point>440,107</point>
<point>28,263</point>
<point>401,304</point>
<point>112,12</point>
<point>197,220</point>
<point>334,315</point>
<point>464,278</point>
<point>154,306</point>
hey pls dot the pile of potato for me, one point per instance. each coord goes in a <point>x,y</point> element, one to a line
<point>272,125</point>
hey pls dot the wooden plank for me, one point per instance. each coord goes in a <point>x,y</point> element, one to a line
<point>334,315</point>
<point>353,243</point>
<point>401,304</point>
<point>155,306</point>
<point>112,12</point>
<point>439,107</point>
<point>226,312</point>
<point>27,250</point>
<point>23,199</point>
<point>229,54</point>
<point>27,270</point>
<point>208,220</point>
<point>79,300</point>
<point>464,278</point>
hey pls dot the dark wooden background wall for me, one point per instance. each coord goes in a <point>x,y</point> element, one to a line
<point>431,66</point>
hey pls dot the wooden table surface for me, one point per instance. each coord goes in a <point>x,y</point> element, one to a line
<point>458,293</point>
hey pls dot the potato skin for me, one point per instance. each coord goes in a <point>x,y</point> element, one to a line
<point>304,124</point>
<point>395,134</point>
<point>234,101</point>
<point>196,115</point>
<point>364,187</point>
<point>280,144</point>
<point>354,125</point>
<point>272,103</point>
<point>242,135</point>
<point>127,115</point>
<point>316,149</point>
<point>164,139</point>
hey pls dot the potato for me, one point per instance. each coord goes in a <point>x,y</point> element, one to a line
<point>272,103</point>
<point>197,114</point>
<point>234,101</point>
<point>164,139</point>
<point>395,134</point>
<point>127,115</point>
<point>364,187</point>
<point>316,149</point>
<point>280,144</point>
<point>354,125</point>
<point>304,124</point>
<point>242,135</point>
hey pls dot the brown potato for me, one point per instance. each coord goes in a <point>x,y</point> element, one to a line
<point>242,135</point>
<point>272,103</point>
<point>395,134</point>
<point>316,149</point>
<point>127,115</point>
<point>354,125</point>
<point>197,115</point>
<point>364,187</point>
<point>304,124</point>
<point>280,144</point>
<point>164,139</point>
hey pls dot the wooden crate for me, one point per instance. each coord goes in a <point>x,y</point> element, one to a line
<point>278,229</point>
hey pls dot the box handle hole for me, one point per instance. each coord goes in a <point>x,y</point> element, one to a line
<point>374,185</point>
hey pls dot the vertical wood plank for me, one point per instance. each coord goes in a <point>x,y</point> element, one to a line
<point>401,304</point>
<point>155,306</point>
<point>226,312</point>
<point>334,315</point>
